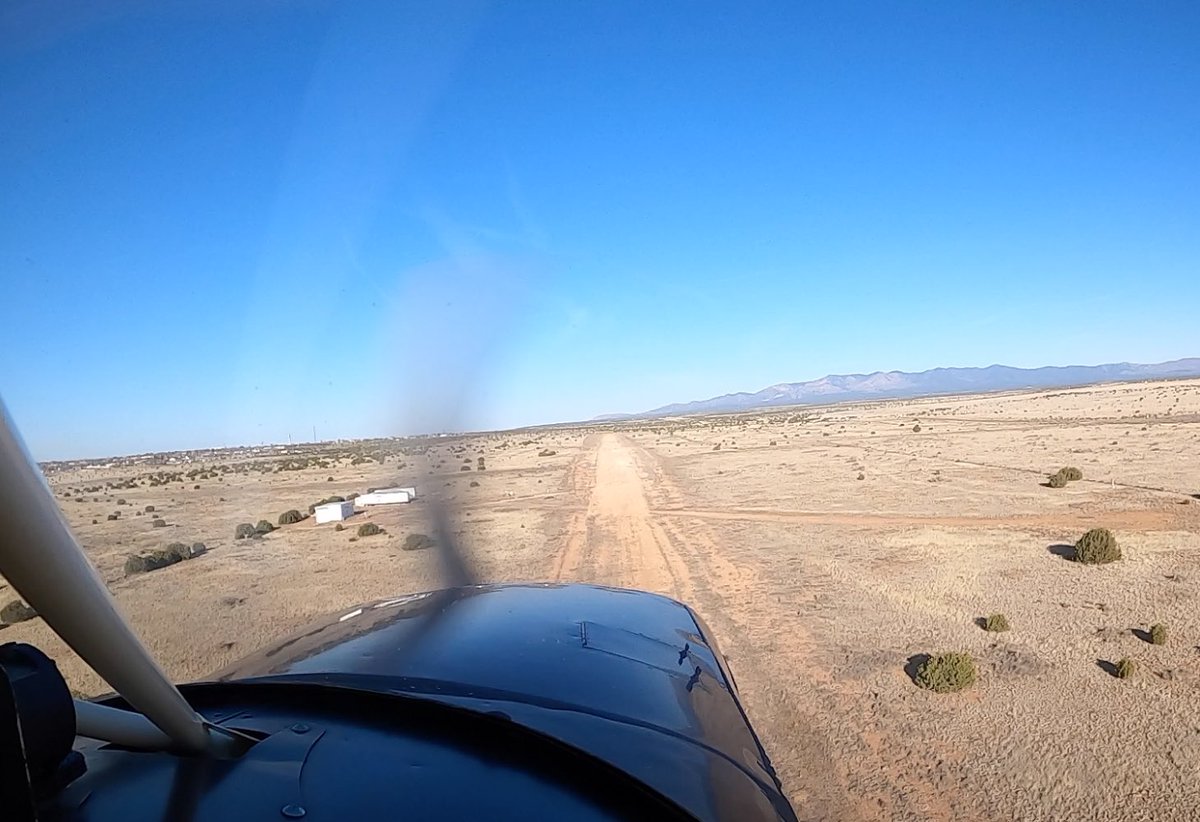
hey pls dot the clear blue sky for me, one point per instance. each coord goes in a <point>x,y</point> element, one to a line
<point>229,222</point>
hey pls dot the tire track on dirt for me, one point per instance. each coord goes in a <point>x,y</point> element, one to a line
<point>614,540</point>
<point>1172,519</point>
<point>1110,482</point>
<point>834,762</point>
<point>581,476</point>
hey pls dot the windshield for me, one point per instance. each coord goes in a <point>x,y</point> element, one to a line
<point>868,331</point>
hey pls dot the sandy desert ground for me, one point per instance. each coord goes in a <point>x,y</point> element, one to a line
<point>826,547</point>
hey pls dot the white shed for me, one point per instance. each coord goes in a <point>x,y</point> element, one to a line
<point>383,496</point>
<point>334,511</point>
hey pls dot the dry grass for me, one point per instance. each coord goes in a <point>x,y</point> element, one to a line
<point>819,586</point>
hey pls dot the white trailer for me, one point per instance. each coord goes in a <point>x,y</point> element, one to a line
<point>334,511</point>
<point>383,496</point>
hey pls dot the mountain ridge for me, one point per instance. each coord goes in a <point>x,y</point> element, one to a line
<point>910,384</point>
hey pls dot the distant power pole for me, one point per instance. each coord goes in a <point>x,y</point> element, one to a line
<point>314,433</point>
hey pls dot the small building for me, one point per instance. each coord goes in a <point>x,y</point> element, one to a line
<point>384,496</point>
<point>333,511</point>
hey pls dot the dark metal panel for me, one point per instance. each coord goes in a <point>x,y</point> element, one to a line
<point>631,658</point>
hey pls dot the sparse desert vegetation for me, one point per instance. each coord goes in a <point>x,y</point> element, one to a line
<point>16,611</point>
<point>946,673</point>
<point>995,623</point>
<point>825,590</point>
<point>1125,668</point>
<point>417,542</point>
<point>152,561</point>
<point>1063,476</point>
<point>1097,547</point>
<point>291,517</point>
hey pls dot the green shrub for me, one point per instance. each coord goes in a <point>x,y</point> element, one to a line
<point>917,428</point>
<point>945,673</point>
<point>546,452</point>
<point>339,527</point>
<point>112,517</point>
<point>149,509</point>
<point>179,549</point>
<point>474,483</point>
<point>16,611</point>
<point>158,523</point>
<point>369,529</point>
<point>1096,547</point>
<point>1071,473</point>
<point>1057,480</point>
<point>184,551</point>
<point>1158,634</point>
<point>417,542</point>
<point>121,501</point>
<point>465,468</point>
<point>1126,668</point>
<point>264,527</point>
<point>140,564</point>
<point>243,530</point>
<point>995,623</point>
<point>290,517</point>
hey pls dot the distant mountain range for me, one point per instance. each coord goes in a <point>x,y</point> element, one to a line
<point>896,384</point>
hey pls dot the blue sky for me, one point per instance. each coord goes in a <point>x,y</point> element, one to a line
<point>228,223</point>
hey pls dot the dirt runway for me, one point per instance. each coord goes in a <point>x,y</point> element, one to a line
<point>616,538</point>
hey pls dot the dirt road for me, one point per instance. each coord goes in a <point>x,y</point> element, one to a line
<point>614,540</point>
<point>617,536</point>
